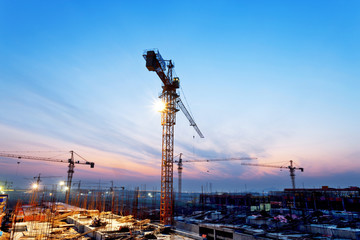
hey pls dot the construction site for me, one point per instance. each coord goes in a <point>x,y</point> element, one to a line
<point>75,211</point>
<point>325,213</point>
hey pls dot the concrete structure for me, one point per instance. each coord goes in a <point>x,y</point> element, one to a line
<point>331,231</point>
<point>215,231</point>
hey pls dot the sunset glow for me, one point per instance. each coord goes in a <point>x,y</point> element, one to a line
<point>275,81</point>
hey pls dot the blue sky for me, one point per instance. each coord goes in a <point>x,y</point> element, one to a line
<point>277,80</point>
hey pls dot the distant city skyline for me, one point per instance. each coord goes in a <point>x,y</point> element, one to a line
<point>276,80</point>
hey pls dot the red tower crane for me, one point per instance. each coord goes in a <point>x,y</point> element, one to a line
<point>180,166</point>
<point>170,97</point>
<point>71,166</point>
<point>290,167</point>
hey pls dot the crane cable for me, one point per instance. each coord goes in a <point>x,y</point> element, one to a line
<point>81,157</point>
<point>193,145</point>
<point>183,93</point>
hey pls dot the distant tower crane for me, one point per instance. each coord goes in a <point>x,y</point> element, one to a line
<point>170,98</point>
<point>290,167</point>
<point>5,185</point>
<point>36,186</point>
<point>70,171</point>
<point>39,177</point>
<point>180,166</point>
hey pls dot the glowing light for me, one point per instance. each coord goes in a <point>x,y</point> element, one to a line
<point>35,186</point>
<point>150,195</point>
<point>66,188</point>
<point>159,105</point>
<point>62,183</point>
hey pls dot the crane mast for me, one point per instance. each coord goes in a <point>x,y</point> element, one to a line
<point>169,96</point>
<point>69,177</point>
<point>292,173</point>
<point>180,168</point>
<point>168,120</point>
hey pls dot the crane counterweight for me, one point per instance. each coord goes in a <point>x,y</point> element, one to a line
<point>152,62</point>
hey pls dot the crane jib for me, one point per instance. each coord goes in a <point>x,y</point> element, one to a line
<point>188,116</point>
<point>92,164</point>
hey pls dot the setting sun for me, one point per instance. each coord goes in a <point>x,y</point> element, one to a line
<point>159,105</point>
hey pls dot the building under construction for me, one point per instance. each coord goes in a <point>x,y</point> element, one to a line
<point>92,214</point>
<point>135,214</point>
